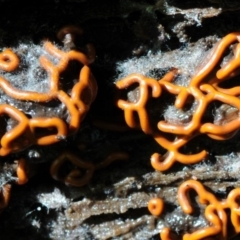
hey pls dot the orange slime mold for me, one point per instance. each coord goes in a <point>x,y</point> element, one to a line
<point>78,102</point>
<point>139,106</point>
<point>76,177</point>
<point>204,89</point>
<point>155,206</point>
<point>22,172</point>
<point>214,212</point>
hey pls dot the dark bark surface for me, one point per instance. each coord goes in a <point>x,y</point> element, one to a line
<point>146,36</point>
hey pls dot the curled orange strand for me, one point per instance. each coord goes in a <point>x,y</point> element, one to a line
<point>82,171</point>
<point>22,172</point>
<point>155,206</point>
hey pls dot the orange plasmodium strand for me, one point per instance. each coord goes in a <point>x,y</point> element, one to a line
<point>166,83</point>
<point>88,83</point>
<point>75,114</point>
<point>233,202</point>
<point>116,156</point>
<point>9,61</point>
<point>205,197</point>
<point>5,193</point>
<point>76,177</point>
<point>24,95</point>
<point>48,124</point>
<point>7,141</point>
<point>163,163</point>
<point>139,106</point>
<point>55,70</point>
<point>156,206</point>
<point>166,234</point>
<point>82,170</point>
<point>233,64</point>
<point>231,127</point>
<point>234,91</point>
<point>213,59</point>
<point>195,122</point>
<point>65,57</point>
<point>215,211</point>
<point>22,170</point>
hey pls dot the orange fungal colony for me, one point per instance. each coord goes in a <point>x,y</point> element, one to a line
<point>204,88</point>
<point>77,102</point>
<point>215,212</point>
